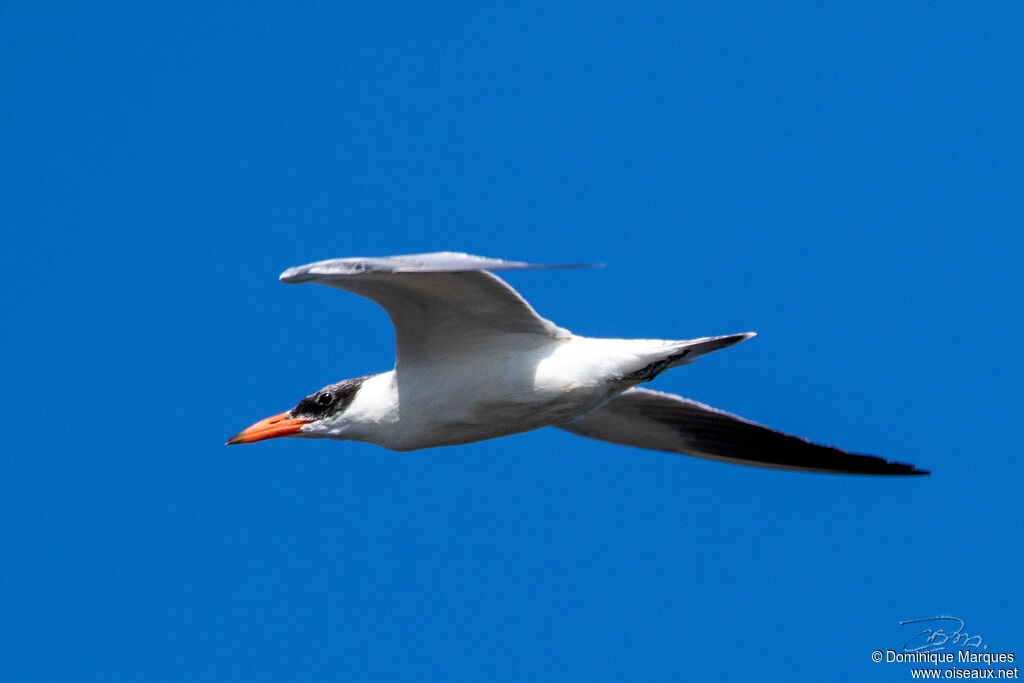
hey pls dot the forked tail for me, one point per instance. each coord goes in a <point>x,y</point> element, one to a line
<point>683,352</point>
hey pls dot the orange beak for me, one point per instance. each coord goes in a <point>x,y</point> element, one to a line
<point>272,427</point>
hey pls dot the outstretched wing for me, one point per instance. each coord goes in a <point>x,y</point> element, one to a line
<point>441,304</point>
<point>665,422</point>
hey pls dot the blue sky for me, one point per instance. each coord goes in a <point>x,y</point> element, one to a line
<point>845,181</point>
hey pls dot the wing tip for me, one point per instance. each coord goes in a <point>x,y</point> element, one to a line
<point>292,275</point>
<point>876,466</point>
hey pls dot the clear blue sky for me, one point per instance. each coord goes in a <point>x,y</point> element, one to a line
<point>845,181</point>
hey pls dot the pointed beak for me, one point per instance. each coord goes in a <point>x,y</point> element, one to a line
<point>272,427</point>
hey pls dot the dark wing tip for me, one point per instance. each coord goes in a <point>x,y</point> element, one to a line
<point>857,463</point>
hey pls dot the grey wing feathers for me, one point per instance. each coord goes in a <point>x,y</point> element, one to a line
<point>435,262</point>
<point>442,305</point>
<point>659,421</point>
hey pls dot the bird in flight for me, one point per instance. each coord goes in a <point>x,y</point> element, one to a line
<point>475,361</point>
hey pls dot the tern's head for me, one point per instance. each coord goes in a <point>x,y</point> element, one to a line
<point>318,415</point>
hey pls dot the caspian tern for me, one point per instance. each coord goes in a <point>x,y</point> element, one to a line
<point>475,361</point>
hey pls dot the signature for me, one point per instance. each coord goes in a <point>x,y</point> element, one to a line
<point>934,635</point>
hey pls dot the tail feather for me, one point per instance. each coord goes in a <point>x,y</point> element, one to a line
<point>684,352</point>
<point>695,348</point>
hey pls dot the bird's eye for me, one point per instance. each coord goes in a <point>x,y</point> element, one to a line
<point>325,399</point>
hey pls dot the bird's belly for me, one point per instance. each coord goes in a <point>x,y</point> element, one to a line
<point>448,420</point>
<point>490,422</point>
